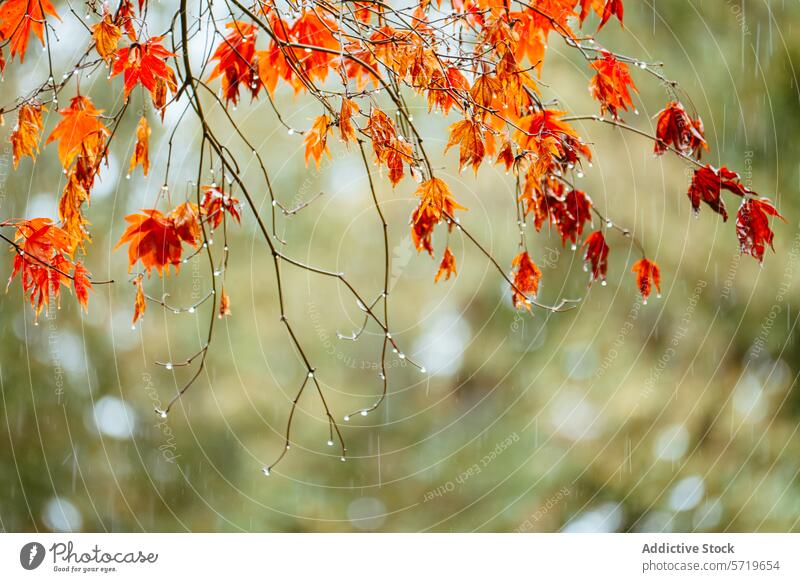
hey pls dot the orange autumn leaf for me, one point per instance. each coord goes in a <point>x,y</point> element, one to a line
<point>80,127</point>
<point>551,138</point>
<point>81,284</point>
<point>447,89</point>
<point>186,220</point>
<point>157,239</point>
<point>423,223</point>
<point>145,63</point>
<point>346,128</point>
<point>140,151</point>
<point>468,135</point>
<point>612,84</point>
<point>484,91</point>
<point>389,147</point>
<point>106,35</point>
<point>506,155</point>
<point>314,29</point>
<point>647,275</point>
<point>18,18</point>
<point>316,140</point>
<point>235,58</point>
<point>526,280</point>
<point>224,305</point>
<point>26,135</point>
<point>447,267</point>
<point>436,198</point>
<point>139,304</point>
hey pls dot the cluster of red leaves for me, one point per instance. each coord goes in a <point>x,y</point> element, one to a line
<point>495,95</point>
<point>676,129</point>
<point>44,262</point>
<point>567,209</point>
<point>310,56</point>
<point>303,52</point>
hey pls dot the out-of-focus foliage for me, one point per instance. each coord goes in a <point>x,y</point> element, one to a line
<point>678,415</point>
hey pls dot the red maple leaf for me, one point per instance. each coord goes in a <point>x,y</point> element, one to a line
<point>18,18</point>
<point>612,8</point>
<point>447,267</point>
<point>545,133</point>
<point>647,275</point>
<point>81,284</point>
<point>144,63</point>
<point>156,239</point>
<point>235,61</point>
<point>526,280</point>
<point>597,256</point>
<point>610,85</point>
<point>215,204</point>
<point>707,184</point>
<point>675,128</point>
<point>752,226</point>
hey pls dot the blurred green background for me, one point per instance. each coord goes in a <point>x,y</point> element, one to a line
<point>679,415</point>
